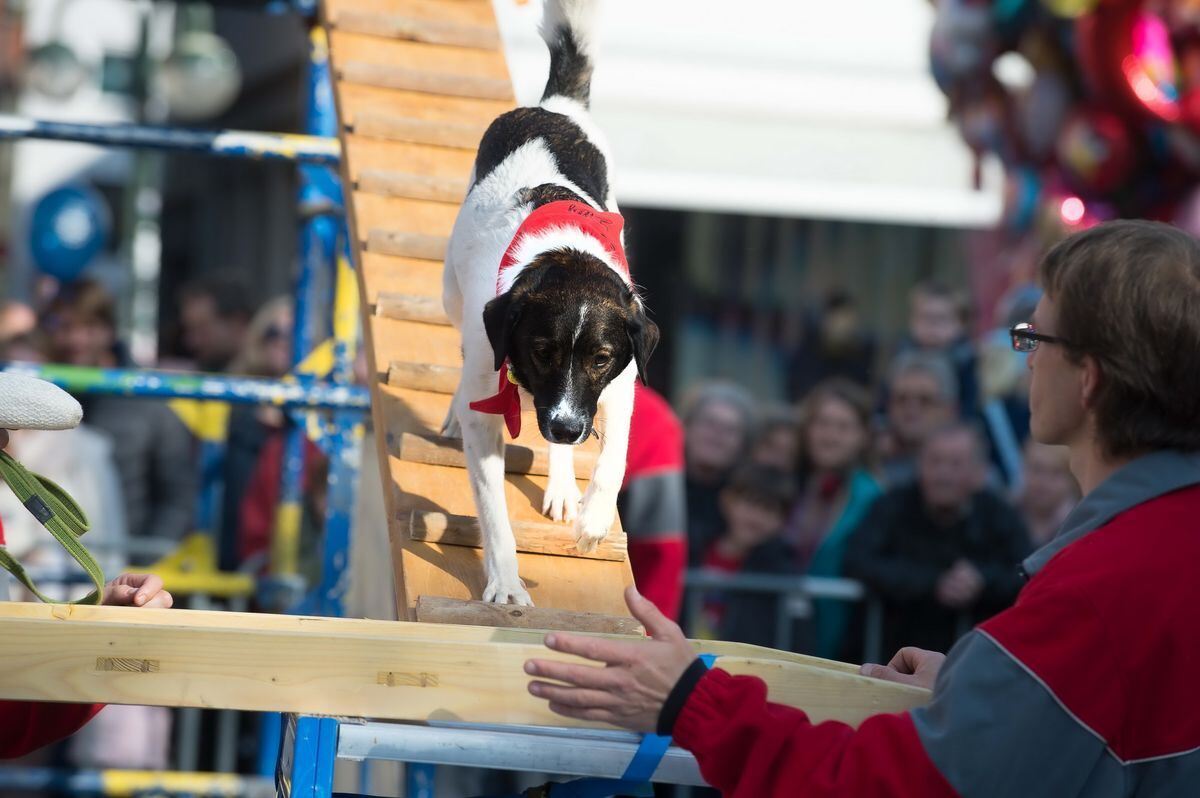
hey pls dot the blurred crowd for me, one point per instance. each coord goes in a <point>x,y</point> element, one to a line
<point>135,465</point>
<point>917,479</point>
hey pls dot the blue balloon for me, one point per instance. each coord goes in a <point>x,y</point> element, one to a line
<point>69,227</point>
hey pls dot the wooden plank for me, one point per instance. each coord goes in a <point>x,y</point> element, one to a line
<point>438,450</point>
<point>364,152</point>
<point>408,307</point>
<point>415,29</point>
<point>423,377</point>
<point>421,131</point>
<point>444,489</point>
<point>467,12</point>
<point>386,274</point>
<point>405,215</point>
<point>410,186</point>
<point>411,340</point>
<point>251,662</point>
<point>358,627</point>
<point>472,65</point>
<point>452,83</point>
<point>572,583</point>
<point>359,101</point>
<point>544,537</point>
<point>407,245</point>
<point>436,609</point>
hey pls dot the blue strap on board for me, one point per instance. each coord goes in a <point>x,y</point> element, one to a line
<point>636,779</point>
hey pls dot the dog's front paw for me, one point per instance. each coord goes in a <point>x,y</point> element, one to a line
<point>503,591</point>
<point>561,500</point>
<point>596,517</point>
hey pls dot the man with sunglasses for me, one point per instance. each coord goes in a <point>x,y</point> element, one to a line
<point>1086,686</point>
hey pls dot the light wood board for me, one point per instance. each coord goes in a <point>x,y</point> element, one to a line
<point>373,669</point>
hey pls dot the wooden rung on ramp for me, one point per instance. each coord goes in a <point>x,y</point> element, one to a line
<point>396,26</point>
<point>532,536</point>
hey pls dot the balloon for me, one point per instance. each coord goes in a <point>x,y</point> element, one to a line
<point>960,44</point>
<point>1042,111</point>
<point>1069,8</point>
<point>69,227</point>
<point>1096,151</point>
<point>1126,57</point>
<point>1022,192</point>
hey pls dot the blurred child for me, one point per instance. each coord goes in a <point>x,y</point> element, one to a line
<point>754,506</point>
<point>937,323</point>
<point>777,442</point>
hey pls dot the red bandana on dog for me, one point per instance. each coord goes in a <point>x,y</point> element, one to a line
<point>600,225</point>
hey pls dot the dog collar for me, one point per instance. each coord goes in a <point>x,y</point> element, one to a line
<point>603,227</point>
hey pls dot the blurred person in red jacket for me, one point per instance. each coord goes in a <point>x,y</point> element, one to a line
<point>26,726</point>
<point>652,503</point>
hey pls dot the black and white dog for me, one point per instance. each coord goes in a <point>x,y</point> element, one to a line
<point>536,281</point>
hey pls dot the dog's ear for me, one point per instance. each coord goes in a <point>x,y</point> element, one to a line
<point>500,316</point>
<point>643,336</point>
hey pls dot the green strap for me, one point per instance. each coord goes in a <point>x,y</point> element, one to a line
<point>54,509</point>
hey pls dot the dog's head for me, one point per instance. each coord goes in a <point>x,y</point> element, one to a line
<point>568,326</point>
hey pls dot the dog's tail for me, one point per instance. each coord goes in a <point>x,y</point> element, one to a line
<point>568,27</point>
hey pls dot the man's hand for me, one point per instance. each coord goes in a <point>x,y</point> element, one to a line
<point>636,679</point>
<point>137,590</point>
<point>960,586</point>
<point>914,666</point>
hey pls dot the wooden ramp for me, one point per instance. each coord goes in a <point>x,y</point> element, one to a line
<point>416,84</point>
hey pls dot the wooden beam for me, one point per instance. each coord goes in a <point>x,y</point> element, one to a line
<point>431,31</point>
<point>390,126</point>
<point>424,377</point>
<point>389,670</point>
<point>403,184</point>
<point>439,450</point>
<point>436,609</point>
<point>409,307</point>
<point>407,245</point>
<point>389,76</point>
<point>536,537</point>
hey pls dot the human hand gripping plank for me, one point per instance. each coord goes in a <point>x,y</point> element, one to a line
<point>630,685</point>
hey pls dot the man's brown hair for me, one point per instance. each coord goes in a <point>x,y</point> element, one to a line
<point>1128,294</point>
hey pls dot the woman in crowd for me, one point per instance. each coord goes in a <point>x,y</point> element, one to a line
<point>718,422</point>
<point>835,492</point>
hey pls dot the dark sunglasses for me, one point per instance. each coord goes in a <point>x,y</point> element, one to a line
<point>1026,339</point>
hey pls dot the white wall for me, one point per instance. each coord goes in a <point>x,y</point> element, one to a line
<point>788,107</point>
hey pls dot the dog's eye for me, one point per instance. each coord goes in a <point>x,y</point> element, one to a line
<point>601,361</point>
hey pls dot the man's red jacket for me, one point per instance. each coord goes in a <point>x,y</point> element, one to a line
<point>26,726</point>
<point>1085,687</point>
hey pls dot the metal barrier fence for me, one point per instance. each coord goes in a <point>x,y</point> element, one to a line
<point>795,601</point>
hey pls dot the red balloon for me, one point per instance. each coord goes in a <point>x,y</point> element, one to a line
<point>1126,59</point>
<point>1096,151</point>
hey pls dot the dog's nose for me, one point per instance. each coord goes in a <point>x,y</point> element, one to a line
<point>566,430</point>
